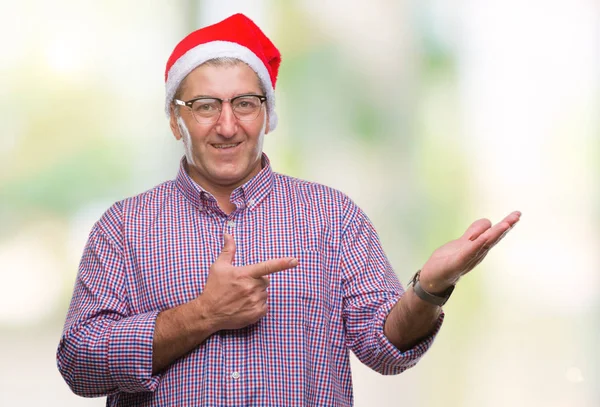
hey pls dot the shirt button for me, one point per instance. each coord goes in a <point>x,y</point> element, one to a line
<point>251,202</point>
<point>235,375</point>
<point>230,223</point>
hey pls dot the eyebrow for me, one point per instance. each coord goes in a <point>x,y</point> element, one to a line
<point>259,93</point>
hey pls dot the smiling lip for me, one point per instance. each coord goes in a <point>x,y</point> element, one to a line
<point>225,146</point>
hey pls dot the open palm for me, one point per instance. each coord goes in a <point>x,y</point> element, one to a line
<point>457,257</point>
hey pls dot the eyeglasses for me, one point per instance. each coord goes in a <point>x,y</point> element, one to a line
<point>208,110</point>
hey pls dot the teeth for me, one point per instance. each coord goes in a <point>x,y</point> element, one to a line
<point>225,145</point>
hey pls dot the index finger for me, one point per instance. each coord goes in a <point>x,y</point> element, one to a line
<point>268,267</point>
<point>511,218</point>
<point>493,235</point>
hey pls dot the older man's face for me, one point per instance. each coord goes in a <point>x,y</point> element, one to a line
<point>227,153</point>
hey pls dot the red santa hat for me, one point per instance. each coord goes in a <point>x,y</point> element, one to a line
<point>235,37</point>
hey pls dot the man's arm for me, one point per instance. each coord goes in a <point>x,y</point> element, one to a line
<point>178,331</point>
<point>371,290</point>
<point>412,319</point>
<point>233,298</point>
<point>104,348</point>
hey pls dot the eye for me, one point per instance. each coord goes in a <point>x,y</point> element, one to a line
<point>205,106</point>
<point>246,103</point>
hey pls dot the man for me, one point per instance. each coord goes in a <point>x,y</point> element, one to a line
<point>234,285</point>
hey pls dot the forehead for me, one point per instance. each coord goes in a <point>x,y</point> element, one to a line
<point>221,80</point>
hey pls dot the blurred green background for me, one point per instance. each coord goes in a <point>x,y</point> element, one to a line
<point>429,114</point>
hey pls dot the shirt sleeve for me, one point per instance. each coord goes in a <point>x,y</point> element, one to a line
<point>104,348</point>
<point>371,289</point>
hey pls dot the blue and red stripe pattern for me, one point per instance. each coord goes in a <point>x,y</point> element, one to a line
<point>152,252</point>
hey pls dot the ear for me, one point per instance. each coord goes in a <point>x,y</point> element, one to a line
<point>173,123</point>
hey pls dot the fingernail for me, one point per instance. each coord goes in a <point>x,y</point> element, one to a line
<point>293,263</point>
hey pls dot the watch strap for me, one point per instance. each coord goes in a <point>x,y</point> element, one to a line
<point>435,299</point>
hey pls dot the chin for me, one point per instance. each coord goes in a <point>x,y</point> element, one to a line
<point>229,178</point>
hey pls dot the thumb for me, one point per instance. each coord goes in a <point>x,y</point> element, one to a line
<point>228,251</point>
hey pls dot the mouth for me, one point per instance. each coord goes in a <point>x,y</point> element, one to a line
<point>225,146</point>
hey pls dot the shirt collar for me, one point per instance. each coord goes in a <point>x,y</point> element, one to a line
<point>248,195</point>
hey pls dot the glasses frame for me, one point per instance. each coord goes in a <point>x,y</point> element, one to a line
<point>190,102</point>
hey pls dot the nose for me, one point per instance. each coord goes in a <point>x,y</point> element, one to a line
<point>227,125</point>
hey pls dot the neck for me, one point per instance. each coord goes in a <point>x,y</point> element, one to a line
<point>222,193</point>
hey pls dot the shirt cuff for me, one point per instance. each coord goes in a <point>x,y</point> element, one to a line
<point>393,361</point>
<point>130,353</point>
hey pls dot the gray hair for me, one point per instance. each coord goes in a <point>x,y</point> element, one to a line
<point>218,62</point>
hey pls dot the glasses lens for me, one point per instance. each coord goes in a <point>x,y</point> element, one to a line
<point>246,107</point>
<point>206,110</point>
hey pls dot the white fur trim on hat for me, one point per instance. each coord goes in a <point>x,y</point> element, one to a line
<point>216,49</point>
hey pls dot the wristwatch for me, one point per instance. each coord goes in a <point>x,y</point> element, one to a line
<point>435,299</point>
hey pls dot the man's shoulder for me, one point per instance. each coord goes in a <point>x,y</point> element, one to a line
<point>149,200</point>
<point>318,198</point>
<point>156,195</point>
<point>314,191</point>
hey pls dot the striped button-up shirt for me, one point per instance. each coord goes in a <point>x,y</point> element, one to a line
<point>153,251</point>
